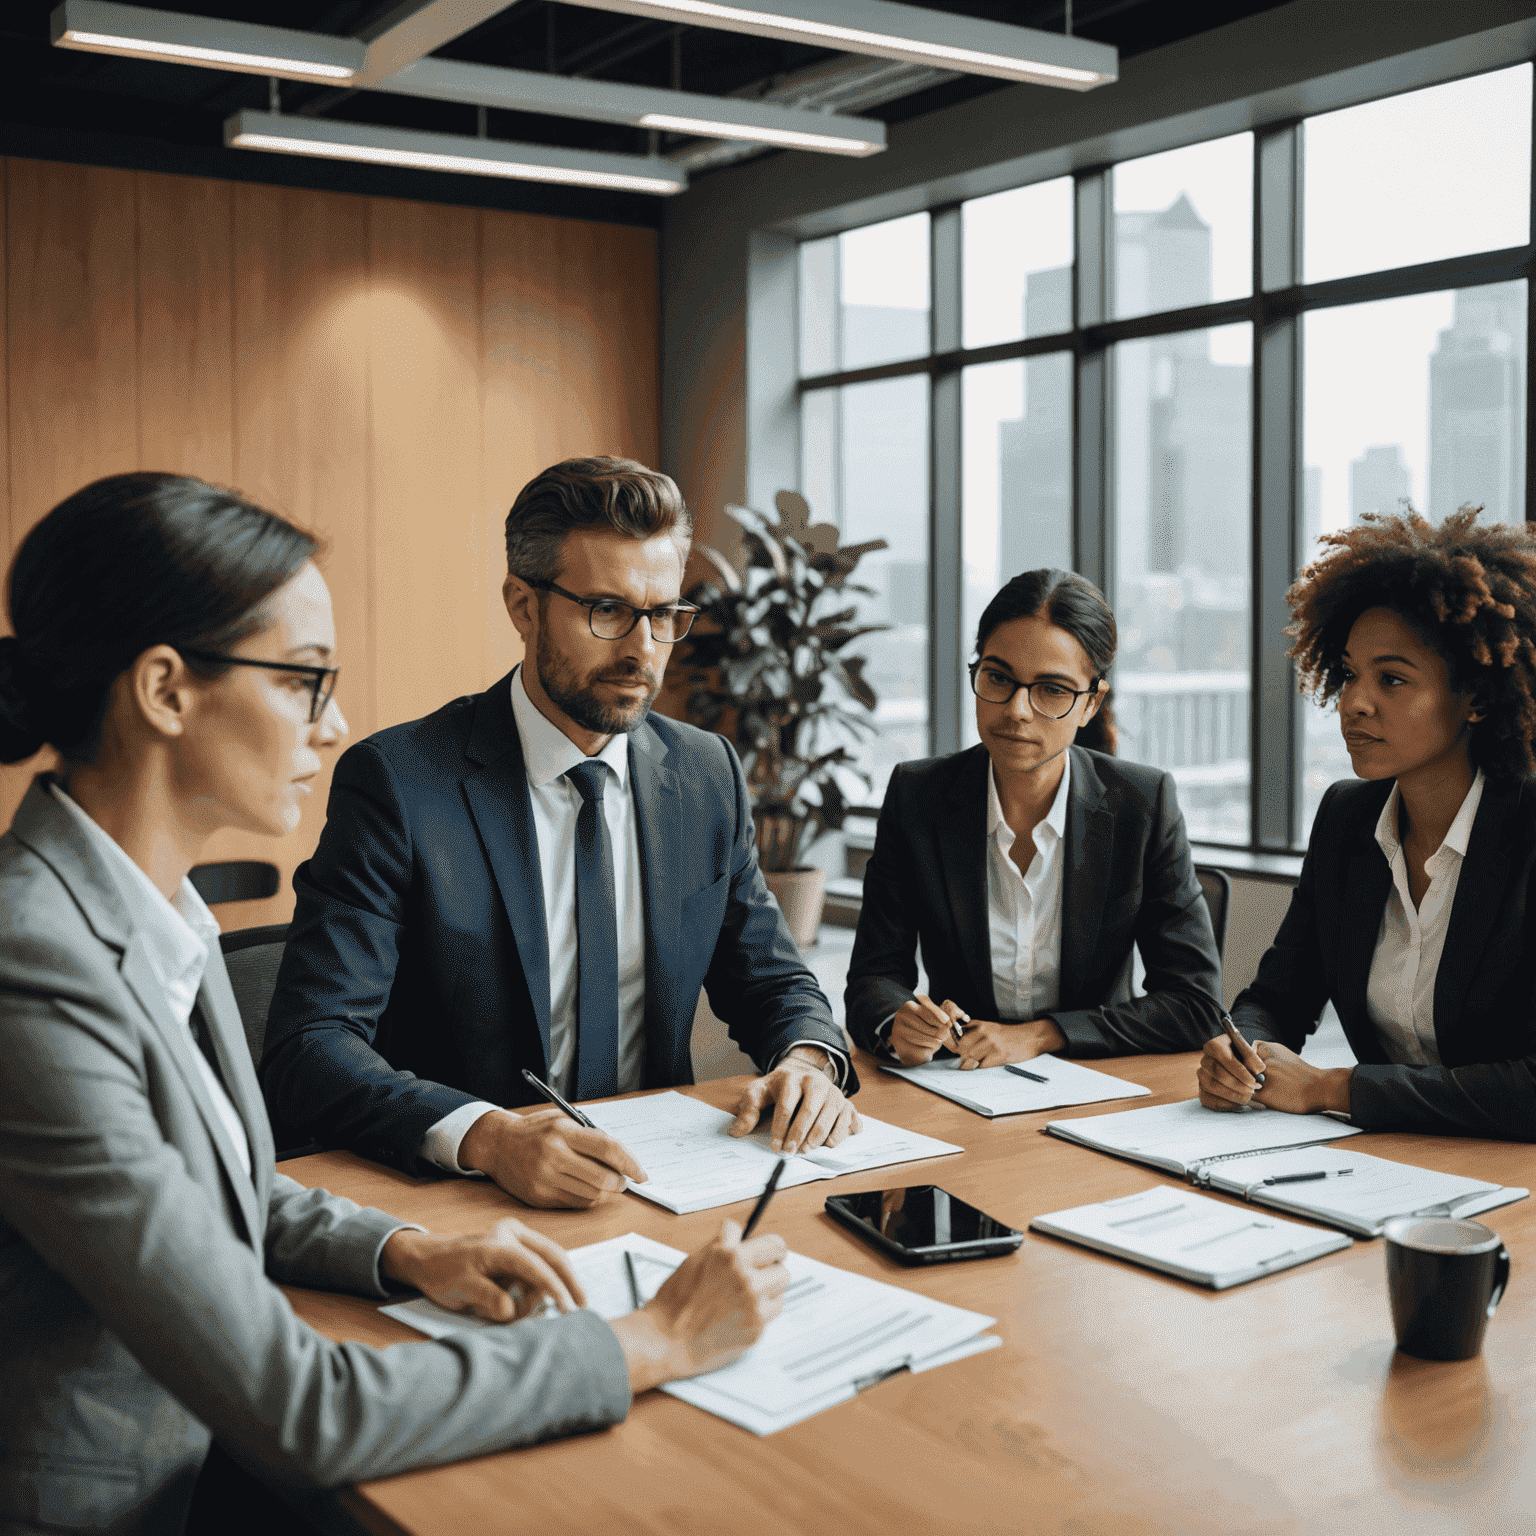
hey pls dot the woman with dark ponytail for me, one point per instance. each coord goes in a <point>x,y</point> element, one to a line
<point>174,643</point>
<point>1028,868</point>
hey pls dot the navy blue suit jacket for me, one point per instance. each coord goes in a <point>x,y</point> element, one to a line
<point>416,976</point>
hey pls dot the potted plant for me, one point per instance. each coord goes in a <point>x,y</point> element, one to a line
<point>769,643</point>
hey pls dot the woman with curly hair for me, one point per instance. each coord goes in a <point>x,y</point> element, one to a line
<point>1415,914</point>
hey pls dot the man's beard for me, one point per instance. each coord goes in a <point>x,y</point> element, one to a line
<point>575,697</point>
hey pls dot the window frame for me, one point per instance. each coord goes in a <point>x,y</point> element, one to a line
<point>1274,308</point>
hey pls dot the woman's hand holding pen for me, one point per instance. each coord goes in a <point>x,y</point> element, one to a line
<point>711,1311</point>
<point>990,1044</point>
<point>472,1272</point>
<point>921,1026</point>
<point>1268,1073</point>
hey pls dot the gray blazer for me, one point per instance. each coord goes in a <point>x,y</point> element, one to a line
<point>138,1305</point>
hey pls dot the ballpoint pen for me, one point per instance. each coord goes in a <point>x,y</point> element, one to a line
<point>764,1198</point>
<point>1238,1041</point>
<point>961,1017</point>
<point>555,1099</point>
<point>1307,1178</point>
<point>634,1281</point>
<point>1034,1077</point>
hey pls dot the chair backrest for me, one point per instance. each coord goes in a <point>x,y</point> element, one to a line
<point>252,956</point>
<point>1217,890</point>
<point>235,880</point>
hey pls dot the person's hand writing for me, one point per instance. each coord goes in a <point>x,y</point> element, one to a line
<point>545,1159</point>
<point>989,1044</point>
<point>1296,1086</point>
<point>809,1110</point>
<point>1225,1080</point>
<point>711,1311</point>
<point>472,1273</point>
<point>920,1027</point>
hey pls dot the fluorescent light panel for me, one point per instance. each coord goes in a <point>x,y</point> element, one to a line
<point>132,31</point>
<point>892,31</point>
<point>521,90</point>
<point>447,152</point>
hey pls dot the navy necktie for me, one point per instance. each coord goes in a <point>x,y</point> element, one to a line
<point>597,941</point>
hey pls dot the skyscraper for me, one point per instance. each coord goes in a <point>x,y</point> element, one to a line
<point>1378,481</point>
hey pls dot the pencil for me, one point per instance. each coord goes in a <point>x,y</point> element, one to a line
<point>764,1198</point>
<point>555,1099</point>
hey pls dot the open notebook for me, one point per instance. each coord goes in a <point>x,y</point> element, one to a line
<point>1360,1194</point>
<point>1187,1138</point>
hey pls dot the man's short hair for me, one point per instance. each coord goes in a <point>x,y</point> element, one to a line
<point>608,494</point>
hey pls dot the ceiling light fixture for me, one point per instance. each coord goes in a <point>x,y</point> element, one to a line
<point>447,152</point>
<point>92,26</point>
<point>893,31</point>
<point>640,106</point>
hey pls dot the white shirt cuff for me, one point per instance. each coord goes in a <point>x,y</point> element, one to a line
<point>441,1143</point>
<point>839,1059</point>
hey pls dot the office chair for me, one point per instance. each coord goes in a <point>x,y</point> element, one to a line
<point>1217,890</point>
<point>252,956</point>
<point>234,880</point>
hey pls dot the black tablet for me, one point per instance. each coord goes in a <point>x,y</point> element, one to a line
<point>922,1224</point>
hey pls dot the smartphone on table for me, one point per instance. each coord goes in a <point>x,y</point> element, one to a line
<point>922,1224</point>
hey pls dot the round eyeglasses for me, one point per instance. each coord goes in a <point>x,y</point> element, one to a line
<point>321,680</point>
<point>1047,697</point>
<point>610,619</point>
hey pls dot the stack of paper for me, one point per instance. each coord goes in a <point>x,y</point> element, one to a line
<point>1191,1236</point>
<point>997,1091</point>
<point>838,1333</point>
<point>694,1163</point>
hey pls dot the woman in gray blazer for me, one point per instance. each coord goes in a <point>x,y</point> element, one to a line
<point>174,643</point>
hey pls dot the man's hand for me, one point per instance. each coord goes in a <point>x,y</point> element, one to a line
<point>472,1273</point>
<point>545,1159</point>
<point>920,1027</point>
<point>809,1110</point>
<point>711,1311</point>
<point>988,1044</point>
<point>1289,1083</point>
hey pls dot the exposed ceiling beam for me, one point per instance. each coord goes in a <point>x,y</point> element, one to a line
<point>329,140</point>
<point>639,106</point>
<point>424,31</point>
<point>893,31</point>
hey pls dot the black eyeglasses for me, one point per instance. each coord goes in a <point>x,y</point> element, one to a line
<point>322,680</point>
<point>610,619</point>
<point>1046,697</point>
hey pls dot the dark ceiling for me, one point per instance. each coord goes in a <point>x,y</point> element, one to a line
<point>59,104</point>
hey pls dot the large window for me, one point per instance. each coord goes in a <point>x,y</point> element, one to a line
<point>1175,374</point>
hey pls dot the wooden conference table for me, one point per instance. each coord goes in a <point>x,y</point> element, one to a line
<point>1121,1401</point>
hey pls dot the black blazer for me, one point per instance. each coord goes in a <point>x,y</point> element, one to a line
<point>1129,879</point>
<point>1485,989</point>
<point>416,976</point>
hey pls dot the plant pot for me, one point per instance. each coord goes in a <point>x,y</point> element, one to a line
<point>801,893</point>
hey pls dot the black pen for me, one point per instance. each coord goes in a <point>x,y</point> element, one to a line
<point>555,1099</point>
<point>763,1199</point>
<point>1307,1178</point>
<point>1034,1077</point>
<point>634,1283</point>
<point>1237,1040</point>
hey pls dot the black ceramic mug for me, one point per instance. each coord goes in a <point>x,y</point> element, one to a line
<point>1445,1277</point>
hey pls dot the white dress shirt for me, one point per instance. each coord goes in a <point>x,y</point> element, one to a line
<point>1024,910</point>
<point>178,936</point>
<point>548,755</point>
<point>1400,995</point>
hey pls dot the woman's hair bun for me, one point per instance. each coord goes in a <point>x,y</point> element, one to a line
<point>20,732</point>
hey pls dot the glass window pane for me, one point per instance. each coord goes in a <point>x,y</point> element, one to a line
<point>1016,507</point>
<point>1182,583</point>
<point>1017,259</point>
<point>1184,227</point>
<point>1420,177</point>
<point>869,448</point>
<point>1420,398</point>
<point>864,297</point>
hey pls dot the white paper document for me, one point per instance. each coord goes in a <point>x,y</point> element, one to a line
<point>838,1333</point>
<point>1191,1236</point>
<point>1180,1137</point>
<point>694,1164</point>
<point>1360,1193</point>
<point>997,1091</point>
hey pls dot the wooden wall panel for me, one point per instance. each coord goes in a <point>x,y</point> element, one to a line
<point>385,373</point>
<point>185,325</point>
<point>428,567</point>
<point>70,346</point>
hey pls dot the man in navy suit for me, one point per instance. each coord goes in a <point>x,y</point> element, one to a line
<point>541,877</point>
